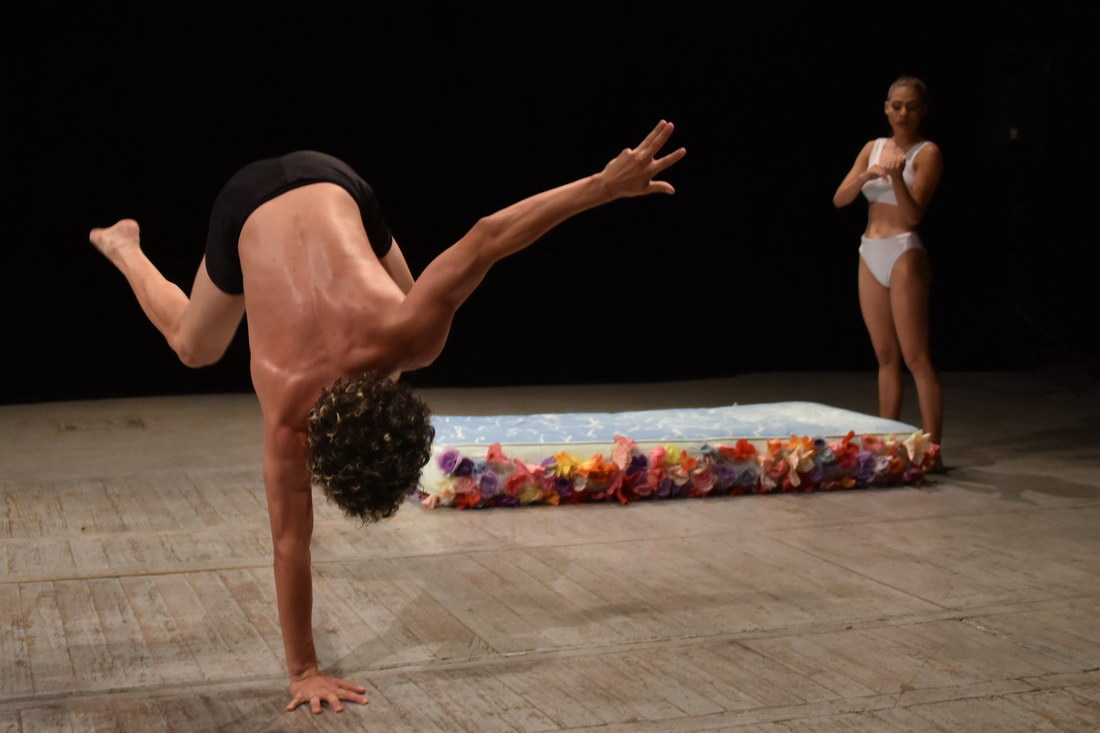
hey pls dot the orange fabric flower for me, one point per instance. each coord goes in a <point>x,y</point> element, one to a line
<point>596,469</point>
<point>804,442</point>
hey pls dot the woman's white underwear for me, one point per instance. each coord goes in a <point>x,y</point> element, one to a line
<point>881,254</point>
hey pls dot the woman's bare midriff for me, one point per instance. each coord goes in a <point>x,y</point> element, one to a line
<point>317,297</point>
<point>884,220</point>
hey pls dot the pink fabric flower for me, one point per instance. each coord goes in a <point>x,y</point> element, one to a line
<point>872,443</point>
<point>624,451</point>
<point>703,479</point>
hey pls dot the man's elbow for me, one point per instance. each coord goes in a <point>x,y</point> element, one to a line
<point>291,550</point>
<point>488,227</point>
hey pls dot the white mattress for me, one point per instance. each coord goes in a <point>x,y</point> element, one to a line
<point>532,438</point>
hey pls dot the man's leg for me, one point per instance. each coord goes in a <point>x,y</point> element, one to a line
<point>198,328</point>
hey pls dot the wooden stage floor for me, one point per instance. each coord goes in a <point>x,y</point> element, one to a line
<point>136,591</point>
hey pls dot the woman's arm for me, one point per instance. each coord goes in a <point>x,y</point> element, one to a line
<point>849,188</point>
<point>927,168</point>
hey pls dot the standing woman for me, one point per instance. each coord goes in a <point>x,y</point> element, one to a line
<point>898,175</point>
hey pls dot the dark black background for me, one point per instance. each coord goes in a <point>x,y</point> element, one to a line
<point>452,111</point>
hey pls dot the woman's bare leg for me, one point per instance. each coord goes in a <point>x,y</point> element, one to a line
<point>874,302</point>
<point>198,328</point>
<point>909,286</point>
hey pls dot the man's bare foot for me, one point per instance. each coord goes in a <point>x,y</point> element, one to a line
<point>110,241</point>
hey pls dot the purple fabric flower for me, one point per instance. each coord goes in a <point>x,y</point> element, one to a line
<point>663,488</point>
<point>547,462</point>
<point>465,467</point>
<point>637,463</point>
<point>865,467</point>
<point>447,460</point>
<point>489,484</point>
<point>563,486</point>
<point>727,475</point>
<point>912,475</point>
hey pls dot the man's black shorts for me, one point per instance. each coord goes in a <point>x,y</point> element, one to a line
<point>264,180</point>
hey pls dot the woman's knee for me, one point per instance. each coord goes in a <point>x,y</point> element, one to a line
<point>888,356</point>
<point>919,364</point>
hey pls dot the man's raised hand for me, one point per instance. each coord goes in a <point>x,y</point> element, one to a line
<point>631,173</point>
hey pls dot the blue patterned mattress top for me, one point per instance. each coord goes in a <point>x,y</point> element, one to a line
<point>766,420</point>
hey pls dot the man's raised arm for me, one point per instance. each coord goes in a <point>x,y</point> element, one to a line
<point>421,325</point>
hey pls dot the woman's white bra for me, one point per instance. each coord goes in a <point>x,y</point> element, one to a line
<point>881,189</point>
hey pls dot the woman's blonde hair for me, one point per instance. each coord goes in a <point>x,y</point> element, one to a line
<point>913,83</point>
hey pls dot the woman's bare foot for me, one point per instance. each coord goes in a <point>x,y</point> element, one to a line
<point>110,241</point>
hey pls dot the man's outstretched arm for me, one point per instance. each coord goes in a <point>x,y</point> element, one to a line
<point>424,319</point>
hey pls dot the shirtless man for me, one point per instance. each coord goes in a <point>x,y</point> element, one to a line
<point>333,311</point>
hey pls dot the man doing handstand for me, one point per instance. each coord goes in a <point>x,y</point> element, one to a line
<point>334,318</point>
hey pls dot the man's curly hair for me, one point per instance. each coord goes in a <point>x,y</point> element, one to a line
<point>368,439</point>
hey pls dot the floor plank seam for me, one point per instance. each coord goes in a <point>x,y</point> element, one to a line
<point>320,524</point>
<point>1045,651</point>
<point>987,690</point>
<point>869,578</point>
<point>504,660</point>
<point>266,684</point>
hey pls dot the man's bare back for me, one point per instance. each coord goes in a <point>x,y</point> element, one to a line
<point>319,302</point>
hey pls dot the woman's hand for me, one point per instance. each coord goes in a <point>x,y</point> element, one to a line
<point>893,164</point>
<point>875,171</point>
<point>313,687</point>
<point>889,164</point>
<point>631,172</point>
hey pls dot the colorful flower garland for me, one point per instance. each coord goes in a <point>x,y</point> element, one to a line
<point>796,465</point>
